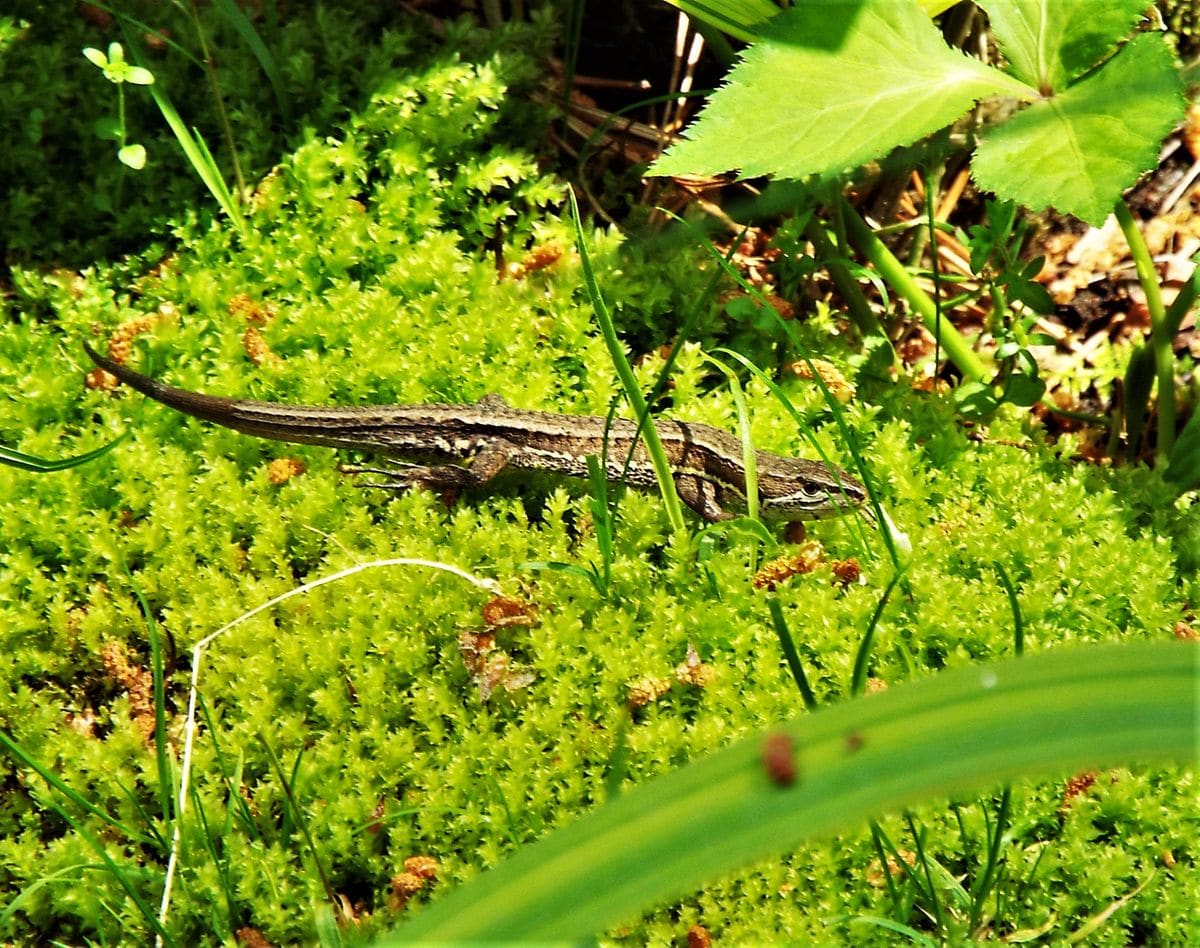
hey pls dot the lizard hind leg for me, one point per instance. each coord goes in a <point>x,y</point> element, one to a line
<point>443,477</point>
<point>488,461</point>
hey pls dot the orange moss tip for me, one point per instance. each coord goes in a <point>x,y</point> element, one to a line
<point>693,671</point>
<point>489,667</point>
<point>282,470</point>
<point>874,874</point>
<point>244,306</point>
<point>539,258</point>
<point>137,682</point>
<point>847,571</point>
<point>417,871</point>
<point>930,384</point>
<point>642,691</point>
<point>425,867</point>
<point>839,386</point>
<point>1077,785</point>
<point>805,560</point>
<point>251,938</point>
<point>100,381</point>
<point>698,937</point>
<point>405,884</point>
<point>120,345</point>
<point>257,349</point>
<point>502,611</point>
<point>1186,633</point>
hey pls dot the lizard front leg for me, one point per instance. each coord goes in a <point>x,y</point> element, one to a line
<point>488,461</point>
<point>700,494</point>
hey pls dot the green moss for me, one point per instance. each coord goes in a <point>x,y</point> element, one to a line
<point>370,241</point>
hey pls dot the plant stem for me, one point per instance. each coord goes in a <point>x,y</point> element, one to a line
<point>896,275</point>
<point>852,295</point>
<point>226,128</point>
<point>1160,336</point>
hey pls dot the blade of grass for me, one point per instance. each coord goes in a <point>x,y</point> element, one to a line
<point>852,295</point>
<point>148,31</point>
<point>834,406</point>
<point>738,18</point>
<point>654,446</point>
<point>245,29</point>
<point>117,872</point>
<point>165,789</point>
<point>911,934</point>
<point>64,875</point>
<point>296,815</point>
<point>788,646</point>
<point>1050,713</point>
<point>862,659</point>
<point>932,894</point>
<point>749,460</point>
<point>210,841</point>
<point>193,147</point>
<point>860,464</point>
<point>28,462</point>
<point>25,759</point>
<point>691,320</point>
<point>230,777</point>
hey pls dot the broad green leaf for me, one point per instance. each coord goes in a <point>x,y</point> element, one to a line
<point>1078,151</point>
<point>736,17</point>
<point>1048,44</point>
<point>793,108</point>
<point>1052,713</point>
<point>743,18</point>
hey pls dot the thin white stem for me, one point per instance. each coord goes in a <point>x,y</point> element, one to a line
<point>197,657</point>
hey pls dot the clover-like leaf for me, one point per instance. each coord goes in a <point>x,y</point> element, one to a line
<point>139,76</point>
<point>95,57</point>
<point>1024,390</point>
<point>975,399</point>
<point>107,127</point>
<point>798,105</point>
<point>1078,151</point>
<point>116,69</point>
<point>134,156</point>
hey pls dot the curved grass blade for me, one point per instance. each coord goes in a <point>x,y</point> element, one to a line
<point>1054,712</point>
<point>28,462</point>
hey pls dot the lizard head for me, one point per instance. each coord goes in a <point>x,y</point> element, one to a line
<point>798,489</point>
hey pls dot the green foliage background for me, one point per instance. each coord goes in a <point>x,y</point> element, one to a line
<point>370,238</point>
